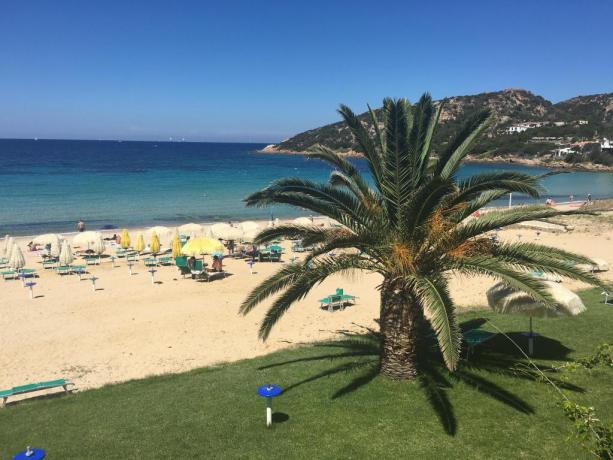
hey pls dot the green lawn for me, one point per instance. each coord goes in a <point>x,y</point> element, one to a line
<point>328,411</point>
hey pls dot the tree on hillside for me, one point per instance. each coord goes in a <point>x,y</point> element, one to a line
<point>413,226</point>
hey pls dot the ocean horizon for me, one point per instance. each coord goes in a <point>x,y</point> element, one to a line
<point>47,185</point>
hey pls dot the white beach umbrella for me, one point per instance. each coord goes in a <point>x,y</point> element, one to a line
<point>56,247</point>
<point>226,232</point>
<point>5,245</point>
<point>191,229</point>
<point>249,235</point>
<point>98,246</point>
<point>305,221</point>
<point>160,231</point>
<point>86,239</point>
<point>17,259</point>
<point>66,256</point>
<point>505,299</point>
<point>249,225</point>
<point>9,248</point>
<point>47,238</point>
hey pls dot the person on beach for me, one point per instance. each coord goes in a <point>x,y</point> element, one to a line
<point>589,199</point>
<point>549,202</point>
<point>231,247</point>
<point>80,226</point>
<point>191,262</point>
<point>217,264</point>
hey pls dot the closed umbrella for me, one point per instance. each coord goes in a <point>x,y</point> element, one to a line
<point>217,230</point>
<point>505,299</point>
<point>86,239</point>
<point>198,246</point>
<point>17,259</point>
<point>56,247</point>
<point>5,246</point>
<point>139,246</point>
<point>47,238</point>
<point>176,246</point>
<point>125,239</point>
<point>155,243</point>
<point>9,248</point>
<point>98,246</point>
<point>66,257</point>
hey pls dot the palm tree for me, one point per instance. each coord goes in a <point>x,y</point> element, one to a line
<point>411,224</point>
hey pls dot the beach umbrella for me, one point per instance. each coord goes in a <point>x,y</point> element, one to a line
<point>249,226</point>
<point>176,246</point>
<point>5,245</point>
<point>139,246</point>
<point>304,221</point>
<point>249,235</point>
<point>191,229</point>
<point>505,299</point>
<point>226,232</point>
<point>55,249</point>
<point>47,238</point>
<point>9,247</point>
<point>125,239</point>
<point>66,256</point>
<point>155,243</point>
<point>98,246</point>
<point>17,259</point>
<point>197,246</point>
<point>86,239</point>
<point>161,231</point>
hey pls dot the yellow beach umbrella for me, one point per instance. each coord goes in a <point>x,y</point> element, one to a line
<point>125,239</point>
<point>197,246</point>
<point>139,246</point>
<point>155,243</point>
<point>176,246</point>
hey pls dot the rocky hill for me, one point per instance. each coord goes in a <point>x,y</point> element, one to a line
<point>511,106</point>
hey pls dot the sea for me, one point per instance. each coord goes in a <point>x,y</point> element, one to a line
<point>48,185</point>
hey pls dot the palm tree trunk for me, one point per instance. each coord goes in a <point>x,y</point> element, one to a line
<point>400,325</point>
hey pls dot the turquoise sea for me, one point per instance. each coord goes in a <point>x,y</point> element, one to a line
<point>47,185</point>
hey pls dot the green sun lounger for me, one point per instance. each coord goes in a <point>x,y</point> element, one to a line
<point>150,262</point>
<point>9,275</point>
<point>475,337</point>
<point>63,269</point>
<point>32,387</point>
<point>339,299</point>
<point>166,260</point>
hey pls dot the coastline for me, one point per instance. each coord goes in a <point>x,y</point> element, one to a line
<point>511,159</point>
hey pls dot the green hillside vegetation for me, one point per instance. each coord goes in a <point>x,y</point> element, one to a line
<point>510,107</point>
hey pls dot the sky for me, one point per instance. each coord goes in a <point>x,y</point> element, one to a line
<point>261,71</point>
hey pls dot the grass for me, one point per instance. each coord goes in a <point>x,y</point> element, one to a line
<point>328,411</point>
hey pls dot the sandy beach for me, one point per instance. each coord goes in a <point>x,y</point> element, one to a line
<point>130,328</point>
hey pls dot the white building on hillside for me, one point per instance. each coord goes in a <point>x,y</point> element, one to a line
<point>560,153</point>
<point>606,144</point>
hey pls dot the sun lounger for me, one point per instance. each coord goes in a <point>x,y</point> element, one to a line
<point>339,300</point>
<point>9,275</point>
<point>150,262</point>
<point>31,387</point>
<point>49,263</point>
<point>63,269</point>
<point>92,260</point>
<point>27,273</point>
<point>166,260</point>
<point>475,337</point>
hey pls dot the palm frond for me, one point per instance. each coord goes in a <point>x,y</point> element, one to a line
<point>450,159</point>
<point>440,312</point>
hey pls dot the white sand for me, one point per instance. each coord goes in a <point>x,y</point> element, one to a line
<point>131,328</point>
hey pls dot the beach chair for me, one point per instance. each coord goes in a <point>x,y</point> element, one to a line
<point>32,387</point>
<point>49,263</point>
<point>28,273</point>
<point>181,261</point>
<point>9,275</point>
<point>475,337</point>
<point>166,260</point>
<point>92,260</point>
<point>63,269</point>
<point>150,262</point>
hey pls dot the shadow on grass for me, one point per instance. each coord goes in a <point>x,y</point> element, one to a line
<point>498,357</point>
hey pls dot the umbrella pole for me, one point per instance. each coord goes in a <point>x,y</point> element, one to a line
<point>531,340</point>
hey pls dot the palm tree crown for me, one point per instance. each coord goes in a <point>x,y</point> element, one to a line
<point>413,226</point>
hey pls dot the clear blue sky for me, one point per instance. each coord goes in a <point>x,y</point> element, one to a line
<point>264,70</point>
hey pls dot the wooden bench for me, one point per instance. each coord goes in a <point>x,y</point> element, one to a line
<point>32,387</point>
